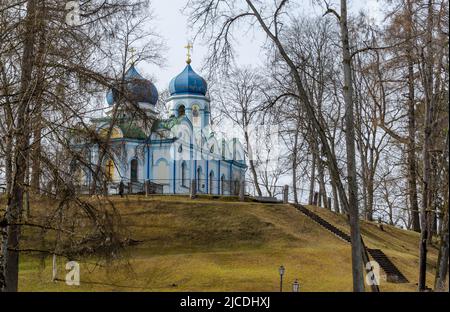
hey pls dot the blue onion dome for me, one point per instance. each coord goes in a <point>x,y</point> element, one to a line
<point>188,82</point>
<point>137,88</point>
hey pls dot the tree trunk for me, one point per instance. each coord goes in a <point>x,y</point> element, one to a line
<point>252,165</point>
<point>15,204</point>
<point>364,172</point>
<point>3,249</point>
<point>294,167</point>
<point>313,178</point>
<point>322,190</point>
<point>357,244</point>
<point>37,109</point>
<point>8,140</point>
<point>357,263</point>
<point>426,190</point>
<point>370,191</point>
<point>255,177</point>
<point>335,197</point>
<point>36,152</point>
<point>411,148</point>
<point>442,262</point>
<point>8,155</point>
<point>431,218</point>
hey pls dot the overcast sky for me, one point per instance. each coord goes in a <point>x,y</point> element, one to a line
<point>171,24</point>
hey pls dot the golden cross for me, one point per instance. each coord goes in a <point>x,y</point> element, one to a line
<point>188,47</point>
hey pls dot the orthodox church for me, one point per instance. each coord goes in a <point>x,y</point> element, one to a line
<point>168,154</point>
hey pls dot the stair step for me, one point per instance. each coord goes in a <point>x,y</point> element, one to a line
<point>388,267</point>
<point>393,273</point>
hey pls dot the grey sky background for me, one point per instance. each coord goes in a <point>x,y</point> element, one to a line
<point>171,25</point>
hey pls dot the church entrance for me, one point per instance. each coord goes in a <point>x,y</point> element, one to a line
<point>211,183</point>
<point>134,170</point>
<point>200,185</point>
<point>222,185</point>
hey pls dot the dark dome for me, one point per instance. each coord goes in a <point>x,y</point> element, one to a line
<point>188,82</point>
<point>137,87</point>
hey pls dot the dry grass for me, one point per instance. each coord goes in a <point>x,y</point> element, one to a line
<point>401,246</point>
<point>214,245</point>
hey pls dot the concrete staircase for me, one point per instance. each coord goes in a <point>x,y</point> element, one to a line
<point>393,274</point>
<point>324,223</point>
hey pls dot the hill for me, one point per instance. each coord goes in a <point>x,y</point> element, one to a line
<point>213,245</point>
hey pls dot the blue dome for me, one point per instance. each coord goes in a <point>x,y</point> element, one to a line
<point>138,89</point>
<point>188,82</point>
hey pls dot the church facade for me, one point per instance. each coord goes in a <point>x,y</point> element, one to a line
<point>168,154</point>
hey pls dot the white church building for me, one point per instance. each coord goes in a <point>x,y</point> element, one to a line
<point>168,154</point>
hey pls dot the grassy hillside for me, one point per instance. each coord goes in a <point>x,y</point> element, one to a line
<point>401,246</point>
<point>212,245</point>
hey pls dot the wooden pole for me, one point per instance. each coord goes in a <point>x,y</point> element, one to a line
<point>242,191</point>
<point>286,194</point>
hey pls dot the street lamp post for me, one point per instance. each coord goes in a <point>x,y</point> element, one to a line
<point>281,270</point>
<point>296,286</point>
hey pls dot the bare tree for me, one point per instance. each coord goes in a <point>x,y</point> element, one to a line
<point>358,284</point>
<point>206,15</point>
<point>241,100</point>
<point>50,70</point>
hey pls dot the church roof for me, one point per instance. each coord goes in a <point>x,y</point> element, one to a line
<point>188,82</point>
<point>166,124</point>
<point>136,88</point>
<point>130,130</point>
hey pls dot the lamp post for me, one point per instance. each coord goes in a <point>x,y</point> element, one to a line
<point>295,286</point>
<point>281,270</point>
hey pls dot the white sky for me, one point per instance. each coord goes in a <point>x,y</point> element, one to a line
<point>171,24</point>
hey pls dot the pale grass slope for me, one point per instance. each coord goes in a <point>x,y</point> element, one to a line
<point>214,245</point>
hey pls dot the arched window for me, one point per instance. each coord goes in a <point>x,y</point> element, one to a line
<point>211,182</point>
<point>183,174</point>
<point>181,110</point>
<point>161,171</point>
<point>236,187</point>
<point>222,184</point>
<point>109,170</point>
<point>134,170</point>
<point>223,149</point>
